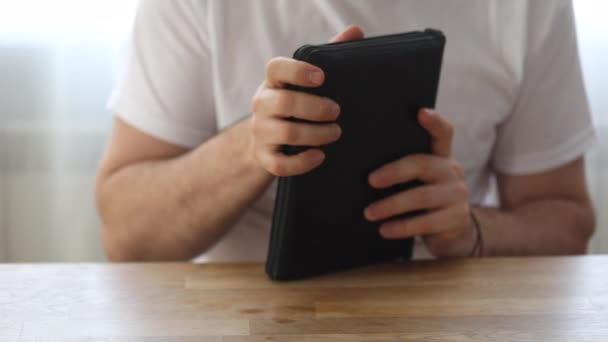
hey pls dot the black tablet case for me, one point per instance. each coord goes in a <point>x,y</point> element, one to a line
<point>380,83</point>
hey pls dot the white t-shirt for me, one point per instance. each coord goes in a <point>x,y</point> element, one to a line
<point>511,81</point>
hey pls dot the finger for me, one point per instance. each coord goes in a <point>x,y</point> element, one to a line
<point>350,33</point>
<point>442,221</point>
<point>458,170</point>
<point>440,129</point>
<point>424,167</point>
<point>288,103</point>
<point>283,70</point>
<point>422,197</point>
<point>280,164</point>
<point>283,132</point>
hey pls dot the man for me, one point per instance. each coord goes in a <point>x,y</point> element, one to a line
<point>188,170</point>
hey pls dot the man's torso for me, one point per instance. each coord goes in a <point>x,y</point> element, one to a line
<point>482,70</point>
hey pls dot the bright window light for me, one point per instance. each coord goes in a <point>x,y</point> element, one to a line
<point>64,20</point>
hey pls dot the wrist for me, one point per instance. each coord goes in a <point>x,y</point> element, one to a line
<point>478,248</point>
<point>249,157</point>
<point>469,240</point>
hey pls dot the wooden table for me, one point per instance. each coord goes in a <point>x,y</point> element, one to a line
<point>502,299</point>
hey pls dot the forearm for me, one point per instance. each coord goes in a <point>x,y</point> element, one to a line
<point>175,209</point>
<point>541,227</point>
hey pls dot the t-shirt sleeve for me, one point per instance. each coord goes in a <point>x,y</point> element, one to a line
<point>165,89</point>
<point>551,122</point>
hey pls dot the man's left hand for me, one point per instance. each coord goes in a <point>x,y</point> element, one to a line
<point>446,225</point>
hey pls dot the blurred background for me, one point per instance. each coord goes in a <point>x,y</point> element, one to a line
<point>58,62</point>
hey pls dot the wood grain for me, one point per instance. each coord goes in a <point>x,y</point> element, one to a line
<point>494,299</point>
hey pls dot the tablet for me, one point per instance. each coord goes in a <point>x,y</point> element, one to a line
<point>380,84</point>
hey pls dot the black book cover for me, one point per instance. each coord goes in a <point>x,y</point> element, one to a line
<point>380,84</point>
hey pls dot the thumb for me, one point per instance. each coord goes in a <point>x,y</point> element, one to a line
<point>352,32</point>
<point>440,129</point>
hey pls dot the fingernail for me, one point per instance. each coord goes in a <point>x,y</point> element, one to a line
<point>390,231</point>
<point>335,109</point>
<point>317,155</point>
<point>385,231</point>
<point>375,179</point>
<point>338,131</point>
<point>369,213</point>
<point>430,111</point>
<point>316,77</point>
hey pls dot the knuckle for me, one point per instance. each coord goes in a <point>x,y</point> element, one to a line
<point>254,124</point>
<point>256,127</point>
<point>425,198</point>
<point>289,133</point>
<point>271,66</point>
<point>256,102</point>
<point>284,101</point>
<point>455,165</point>
<point>457,168</point>
<point>386,207</point>
<point>423,165</point>
<point>260,100</point>
<point>449,127</point>
<point>329,133</point>
<point>462,189</point>
<point>301,74</point>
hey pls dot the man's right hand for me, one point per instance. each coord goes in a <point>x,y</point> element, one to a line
<point>273,104</point>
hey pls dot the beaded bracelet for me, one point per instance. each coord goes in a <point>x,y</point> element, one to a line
<point>478,247</point>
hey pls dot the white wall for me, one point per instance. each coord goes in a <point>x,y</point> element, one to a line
<point>58,60</point>
<point>593,45</point>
